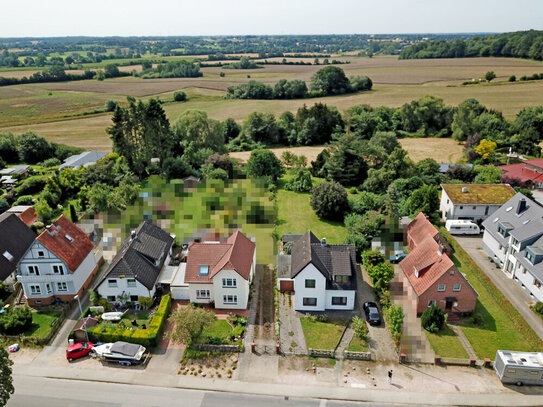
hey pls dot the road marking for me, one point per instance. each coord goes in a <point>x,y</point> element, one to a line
<point>322,403</point>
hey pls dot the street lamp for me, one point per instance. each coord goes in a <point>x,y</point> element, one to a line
<point>79,302</point>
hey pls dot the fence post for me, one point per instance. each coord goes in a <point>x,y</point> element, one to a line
<point>253,347</point>
<point>277,349</point>
<point>472,362</point>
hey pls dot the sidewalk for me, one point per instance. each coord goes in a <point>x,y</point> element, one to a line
<point>129,376</point>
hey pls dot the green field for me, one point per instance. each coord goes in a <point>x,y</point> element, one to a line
<point>295,215</point>
<point>445,343</point>
<point>24,107</point>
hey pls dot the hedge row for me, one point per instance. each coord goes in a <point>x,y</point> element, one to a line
<point>146,337</point>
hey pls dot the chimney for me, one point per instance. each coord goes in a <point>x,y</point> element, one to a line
<point>133,235</point>
<point>323,241</point>
<point>464,189</point>
<point>521,207</point>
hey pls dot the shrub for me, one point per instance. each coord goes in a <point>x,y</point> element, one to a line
<point>329,200</point>
<point>24,200</point>
<point>110,105</point>
<point>360,328</point>
<point>394,316</point>
<point>15,321</point>
<point>145,302</point>
<point>477,319</point>
<point>512,78</point>
<point>51,162</point>
<point>372,258</point>
<point>433,319</point>
<point>538,307</point>
<point>323,318</point>
<point>179,96</point>
<point>287,248</point>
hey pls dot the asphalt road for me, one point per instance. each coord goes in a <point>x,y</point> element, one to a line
<point>47,392</point>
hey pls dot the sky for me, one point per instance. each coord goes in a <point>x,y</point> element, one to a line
<point>40,18</point>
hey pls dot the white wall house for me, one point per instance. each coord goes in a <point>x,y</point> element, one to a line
<point>135,269</point>
<point>474,202</point>
<point>324,275</point>
<point>58,264</point>
<point>221,273</point>
<point>513,238</point>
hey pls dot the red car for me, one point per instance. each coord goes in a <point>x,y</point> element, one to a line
<point>78,350</point>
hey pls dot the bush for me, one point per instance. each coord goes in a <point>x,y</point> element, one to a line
<point>15,321</point>
<point>360,328</point>
<point>394,316</point>
<point>433,319</point>
<point>329,200</point>
<point>538,307</point>
<point>477,319</point>
<point>145,302</point>
<point>179,96</point>
<point>110,105</point>
<point>512,78</point>
<point>51,162</point>
<point>24,200</point>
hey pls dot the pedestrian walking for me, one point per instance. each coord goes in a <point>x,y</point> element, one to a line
<point>390,377</point>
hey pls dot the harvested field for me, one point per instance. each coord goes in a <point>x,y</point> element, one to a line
<point>310,152</point>
<point>443,150</point>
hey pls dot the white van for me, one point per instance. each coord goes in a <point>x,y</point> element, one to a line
<point>462,227</point>
<point>519,367</point>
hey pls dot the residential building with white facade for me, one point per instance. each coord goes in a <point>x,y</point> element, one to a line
<point>134,270</point>
<point>58,265</point>
<point>322,276</point>
<point>221,273</point>
<point>513,238</point>
<point>474,202</point>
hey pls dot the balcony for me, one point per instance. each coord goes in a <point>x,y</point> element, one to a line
<point>45,278</point>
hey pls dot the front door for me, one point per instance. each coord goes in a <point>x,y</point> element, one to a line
<point>448,304</point>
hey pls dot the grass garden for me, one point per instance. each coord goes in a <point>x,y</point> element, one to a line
<point>320,334</point>
<point>445,343</point>
<point>357,345</point>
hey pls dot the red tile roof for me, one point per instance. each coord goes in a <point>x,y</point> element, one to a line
<point>430,262</point>
<point>522,172</point>
<point>73,251</point>
<point>420,228</point>
<point>236,254</point>
<point>28,216</point>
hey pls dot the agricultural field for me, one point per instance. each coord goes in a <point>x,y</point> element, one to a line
<point>61,116</point>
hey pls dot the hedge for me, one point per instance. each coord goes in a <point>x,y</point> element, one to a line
<point>146,337</point>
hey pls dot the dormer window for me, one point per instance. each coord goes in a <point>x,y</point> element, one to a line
<point>203,271</point>
<point>67,236</point>
<point>8,256</point>
<point>504,228</point>
<point>533,254</point>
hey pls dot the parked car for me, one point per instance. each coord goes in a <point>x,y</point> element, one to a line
<point>372,313</point>
<point>397,256</point>
<point>123,353</point>
<point>78,350</point>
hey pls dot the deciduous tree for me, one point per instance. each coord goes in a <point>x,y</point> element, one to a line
<point>188,324</point>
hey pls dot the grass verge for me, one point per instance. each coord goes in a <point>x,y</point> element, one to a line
<point>500,325</point>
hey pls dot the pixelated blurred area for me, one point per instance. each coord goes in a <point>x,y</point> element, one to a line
<point>195,211</point>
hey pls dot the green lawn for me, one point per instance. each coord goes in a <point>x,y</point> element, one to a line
<point>502,326</point>
<point>445,343</point>
<point>219,328</point>
<point>357,345</point>
<point>295,215</point>
<point>41,321</point>
<point>322,335</point>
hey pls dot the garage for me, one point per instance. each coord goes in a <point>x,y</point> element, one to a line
<point>178,287</point>
<point>286,285</point>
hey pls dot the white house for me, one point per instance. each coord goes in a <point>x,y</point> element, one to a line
<point>474,202</point>
<point>58,265</point>
<point>323,275</point>
<point>221,273</point>
<point>134,270</point>
<point>513,238</point>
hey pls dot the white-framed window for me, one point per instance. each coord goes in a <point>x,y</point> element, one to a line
<point>339,300</point>
<point>34,270</point>
<point>203,271</point>
<point>230,299</point>
<point>441,287</point>
<point>457,287</point>
<point>62,286</point>
<point>134,298</point>
<point>202,294</point>
<point>48,288</point>
<point>309,302</point>
<point>310,283</point>
<point>112,282</point>
<point>58,269</point>
<point>35,289</point>
<point>452,272</point>
<point>111,298</point>
<point>431,302</point>
<point>131,282</point>
<point>41,253</point>
<point>229,282</point>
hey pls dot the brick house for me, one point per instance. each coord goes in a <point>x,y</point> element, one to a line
<point>430,277</point>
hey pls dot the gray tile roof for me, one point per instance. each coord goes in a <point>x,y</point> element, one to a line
<point>535,270</point>
<point>15,239</point>
<point>509,213</point>
<point>138,256</point>
<point>529,230</point>
<point>283,265</point>
<point>291,237</point>
<point>330,260</point>
<point>82,160</point>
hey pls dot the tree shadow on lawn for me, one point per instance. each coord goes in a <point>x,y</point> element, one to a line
<point>487,323</point>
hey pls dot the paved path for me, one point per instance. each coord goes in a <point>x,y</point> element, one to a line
<point>290,330</point>
<point>345,341</point>
<point>510,288</point>
<point>464,341</point>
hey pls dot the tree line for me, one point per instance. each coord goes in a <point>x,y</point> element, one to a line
<point>521,44</point>
<point>325,82</point>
